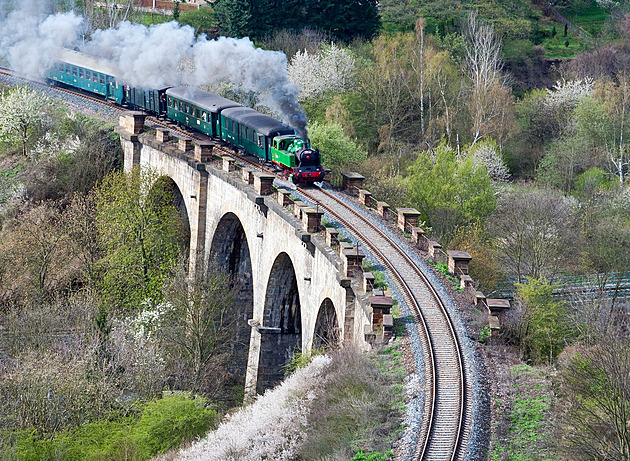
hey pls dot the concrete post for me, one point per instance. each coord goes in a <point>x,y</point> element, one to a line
<point>203,151</point>
<point>263,183</point>
<point>407,218</point>
<point>184,143</point>
<point>352,182</point>
<point>163,135</point>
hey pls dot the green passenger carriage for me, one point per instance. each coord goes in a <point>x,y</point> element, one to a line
<point>196,108</point>
<point>87,73</point>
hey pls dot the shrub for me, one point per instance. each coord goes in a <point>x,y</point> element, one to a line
<point>163,424</point>
<point>169,421</point>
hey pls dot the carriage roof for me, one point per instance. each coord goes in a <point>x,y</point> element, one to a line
<point>86,61</point>
<point>200,98</point>
<point>262,123</point>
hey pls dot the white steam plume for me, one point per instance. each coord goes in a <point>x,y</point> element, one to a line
<point>30,38</point>
<point>152,57</point>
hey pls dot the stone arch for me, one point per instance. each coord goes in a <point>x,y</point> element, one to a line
<point>327,331</point>
<point>281,332</point>
<point>168,185</point>
<point>229,253</point>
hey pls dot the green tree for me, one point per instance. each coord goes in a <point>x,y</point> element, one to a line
<point>233,17</point>
<point>449,192</point>
<point>544,329</point>
<point>346,19</point>
<point>202,20</point>
<point>337,150</point>
<point>142,235</point>
<point>176,11</point>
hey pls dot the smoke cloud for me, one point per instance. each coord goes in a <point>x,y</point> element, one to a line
<point>150,57</point>
<point>30,38</point>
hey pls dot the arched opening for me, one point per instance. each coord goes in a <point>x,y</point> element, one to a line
<point>327,331</point>
<point>281,334</point>
<point>229,253</point>
<point>165,189</point>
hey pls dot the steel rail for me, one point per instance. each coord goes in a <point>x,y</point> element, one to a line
<point>423,449</point>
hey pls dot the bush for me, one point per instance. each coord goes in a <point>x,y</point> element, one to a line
<point>163,424</point>
<point>168,422</point>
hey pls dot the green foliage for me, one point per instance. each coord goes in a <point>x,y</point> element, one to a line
<point>373,456</point>
<point>449,192</point>
<point>142,233</point>
<point>439,266</point>
<point>592,182</point>
<point>379,277</point>
<point>202,20</point>
<point>545,328</point>
<point>528,421</point>
<point>163,424</point>
<point>176,11</point>
<point>337,150</point>
<point>233,17</point>
<point>169,421</point>
<point>300,359</point>
<point>484,334</point>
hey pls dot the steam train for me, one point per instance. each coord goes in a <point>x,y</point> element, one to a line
<point>243,127</point>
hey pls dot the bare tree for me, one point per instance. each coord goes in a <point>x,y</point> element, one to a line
<point>533,232</point>
<point>110,12</point>
<point>595,394</point>
<point>487,92</point>
<point>199,321</point>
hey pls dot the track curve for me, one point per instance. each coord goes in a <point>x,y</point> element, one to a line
<point>443,434</point>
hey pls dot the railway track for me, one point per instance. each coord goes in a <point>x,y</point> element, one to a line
<point>444,430</point>
<point>443,434</point>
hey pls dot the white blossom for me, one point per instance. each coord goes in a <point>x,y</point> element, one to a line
<point>566,94</point>
<point>21,111</point>
<point>487,154</point>
<point>331,69</point>
<point>50,145</point>
<point>273,427</point>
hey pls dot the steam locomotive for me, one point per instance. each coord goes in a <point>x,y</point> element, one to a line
<point>245,128</point>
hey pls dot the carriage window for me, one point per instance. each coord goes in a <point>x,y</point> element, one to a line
<point>95,77</point>
<point>204,116</point>
<point>101,78</point>
<point>74,71</point>
<point>88,75</point>
<point>261,141</point>
<point>170,102</point>
<point>246,133</point>
<point>80,73</point>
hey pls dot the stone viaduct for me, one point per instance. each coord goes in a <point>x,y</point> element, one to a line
<point>295,291</point>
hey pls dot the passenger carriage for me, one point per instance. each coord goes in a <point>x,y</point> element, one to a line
<point>87,73</point>
<point>197,109</point>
